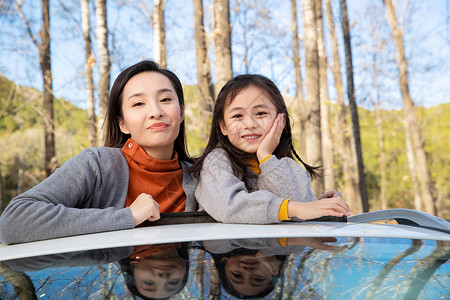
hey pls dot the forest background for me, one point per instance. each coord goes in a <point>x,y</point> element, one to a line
<point>295,48</point>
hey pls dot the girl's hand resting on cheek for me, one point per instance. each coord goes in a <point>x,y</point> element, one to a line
<point>325,206</point>
<point>144,208</point>
<point>272,138</point>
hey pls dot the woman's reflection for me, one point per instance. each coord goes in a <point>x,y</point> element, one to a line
<point>149,271</point>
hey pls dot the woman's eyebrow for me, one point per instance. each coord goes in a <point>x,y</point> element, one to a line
<point>135,95</point>
<point>163,90</point>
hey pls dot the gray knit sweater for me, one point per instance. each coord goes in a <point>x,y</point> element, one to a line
<point>224,196</point>
<point>86,195</point>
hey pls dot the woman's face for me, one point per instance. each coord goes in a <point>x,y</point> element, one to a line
<point>249,274</point>
<point>151,113</point>
<point>248,118</point>
<point>160,275</point>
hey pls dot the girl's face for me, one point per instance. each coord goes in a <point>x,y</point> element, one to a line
<point>160,275</point>
<point>249,274</point>
<point>248,118</point>
<point>151,113</point>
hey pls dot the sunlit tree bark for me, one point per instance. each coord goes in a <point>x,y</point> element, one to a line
<point>409,112</point>
<point>351,187</point>
<point>159,34</point>
<point>327,142</point>
<point>312,112</point>
<point>44,55</point>
<point>356,137</point>
<point>222,42</point>
<point>104,65</point>
<point>298,74</point>
<point>205,86</point>
<point>88,65</point>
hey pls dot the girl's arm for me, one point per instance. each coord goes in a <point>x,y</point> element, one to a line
<point>86,195</point>
<point>285,178</point>
<point>224,196</point>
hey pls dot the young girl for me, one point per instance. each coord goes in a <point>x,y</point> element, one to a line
<point>247,171</point>
<point>138,175</point>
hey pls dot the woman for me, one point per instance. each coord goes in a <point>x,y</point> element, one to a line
<point>139,173</point>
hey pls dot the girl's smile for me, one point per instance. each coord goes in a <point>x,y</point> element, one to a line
<point>248,119</point>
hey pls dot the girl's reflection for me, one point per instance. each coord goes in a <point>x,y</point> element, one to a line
<point>251,268</point>
<point>156,271</point>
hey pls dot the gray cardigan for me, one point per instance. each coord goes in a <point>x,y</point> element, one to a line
<point>86,195</point>
<point>224,196</point>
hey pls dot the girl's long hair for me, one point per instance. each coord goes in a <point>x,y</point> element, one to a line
<point>240,159</point>
<point>114,136</point>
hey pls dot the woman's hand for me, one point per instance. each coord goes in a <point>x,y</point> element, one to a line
<point>144,208</point>
<point>272,138</point>
<point>334,206</point>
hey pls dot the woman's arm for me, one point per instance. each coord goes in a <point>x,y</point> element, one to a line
<point>86,195</point>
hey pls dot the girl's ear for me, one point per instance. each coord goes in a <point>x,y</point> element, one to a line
<point>223,128</point>
<point>123,127</point>
<point>224,260</point>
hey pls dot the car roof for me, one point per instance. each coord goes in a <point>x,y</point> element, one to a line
<point>420,226</point>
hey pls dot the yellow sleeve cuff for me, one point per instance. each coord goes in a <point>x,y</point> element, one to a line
<point>264,159</point>
<point>283,242</point>
<point>283,213</point>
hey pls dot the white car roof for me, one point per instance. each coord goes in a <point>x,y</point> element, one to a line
<point>219,231</point>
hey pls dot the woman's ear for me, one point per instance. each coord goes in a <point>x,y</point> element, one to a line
<point>224,260</point>
<point>181,114</point>
<point>123,127</point>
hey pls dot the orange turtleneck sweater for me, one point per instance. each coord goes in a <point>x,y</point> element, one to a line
<point>162,179</point>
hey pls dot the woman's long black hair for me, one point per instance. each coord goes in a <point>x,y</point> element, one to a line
<point>240,159</point>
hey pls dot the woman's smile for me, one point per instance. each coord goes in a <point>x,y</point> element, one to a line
<point>158,126</point>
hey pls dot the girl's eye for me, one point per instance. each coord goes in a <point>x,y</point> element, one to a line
<point>149,282</point>
<point>261,113</point>
<point>174,282</point>
<point>236,275</point>
<point>165,100</point>
<point>236,116</point>
<point>258,279</point>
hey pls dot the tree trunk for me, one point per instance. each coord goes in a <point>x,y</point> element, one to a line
<point>205,86</point>
<point>298,75</point>
<point>159,34</point>
<point>222,42</point>
<point>351,187</point>
<point>409,112</point>
<point>46,70</point>
<point>104,65</point>
<point>356,141</point>
<point>327,143</point>
<point>312,128</point>
<point>382,160</point>
<point>22,284</point>
<point>88,65</point>
<point>412,168</point>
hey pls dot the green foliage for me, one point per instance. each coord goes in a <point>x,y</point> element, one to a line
<point>21,131</point>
